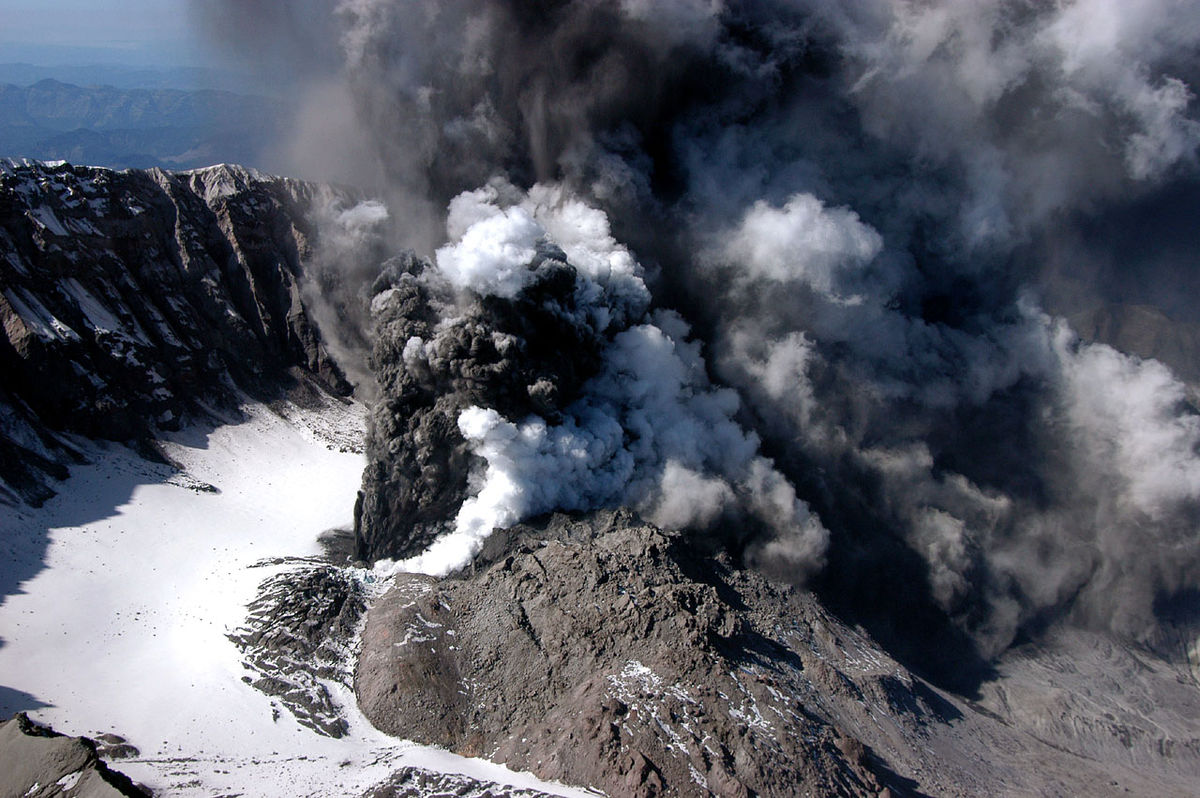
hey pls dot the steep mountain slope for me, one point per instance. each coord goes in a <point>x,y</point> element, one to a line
<point>129,297</point>
<point>599,650</point>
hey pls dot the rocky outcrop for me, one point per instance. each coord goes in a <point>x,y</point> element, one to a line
<point>606,653</point>
<point>601,652</point>
<point>413,782</point>
<point>298,636</point>
<point>37,762</point>
<point>126,297</point>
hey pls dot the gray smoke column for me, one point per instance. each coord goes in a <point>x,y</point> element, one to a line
<point>350,244</point>
<point>863,210</point>
<point>646,429</point>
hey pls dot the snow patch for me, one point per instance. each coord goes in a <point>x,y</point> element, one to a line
<point>69,781</point>
<point>44,218</point>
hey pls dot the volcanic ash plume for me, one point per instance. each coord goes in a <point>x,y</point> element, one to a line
<point>875,216</point>
<point>579,397</point>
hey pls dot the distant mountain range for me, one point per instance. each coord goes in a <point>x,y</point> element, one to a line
<point>135,128</point>
<point>132,76</point>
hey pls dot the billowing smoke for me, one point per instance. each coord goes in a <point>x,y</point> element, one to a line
<point>350,244</point>
<point>647,429</point>
<point>871,230</point>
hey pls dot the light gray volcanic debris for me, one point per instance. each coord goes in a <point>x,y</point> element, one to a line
<point>125,297</point>
<point>604,652</point>
<point>37,762</point>
<point>299,633</point>
<point>417,783</point>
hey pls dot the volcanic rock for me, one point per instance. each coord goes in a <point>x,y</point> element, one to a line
<point>37,762</point>
<point>298,635</point>
<point>604,652</point>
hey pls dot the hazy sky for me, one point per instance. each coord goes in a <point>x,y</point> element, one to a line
<point>139,32</point>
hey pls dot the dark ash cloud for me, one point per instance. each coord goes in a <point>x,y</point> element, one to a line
<point>864,211</point>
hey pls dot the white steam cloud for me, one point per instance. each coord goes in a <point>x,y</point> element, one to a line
<point>802,241</point>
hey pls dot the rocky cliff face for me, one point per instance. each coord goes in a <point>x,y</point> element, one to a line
<point>127,298</point>
<point>607,655</point>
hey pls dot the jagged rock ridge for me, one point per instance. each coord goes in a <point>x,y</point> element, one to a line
<point>125,297</point>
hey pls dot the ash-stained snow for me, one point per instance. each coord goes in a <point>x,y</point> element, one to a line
<point>147,570</point>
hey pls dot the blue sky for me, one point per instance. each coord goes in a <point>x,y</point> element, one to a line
<point>137,32</point>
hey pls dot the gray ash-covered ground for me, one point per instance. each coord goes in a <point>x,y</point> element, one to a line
<point>600,651</point>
